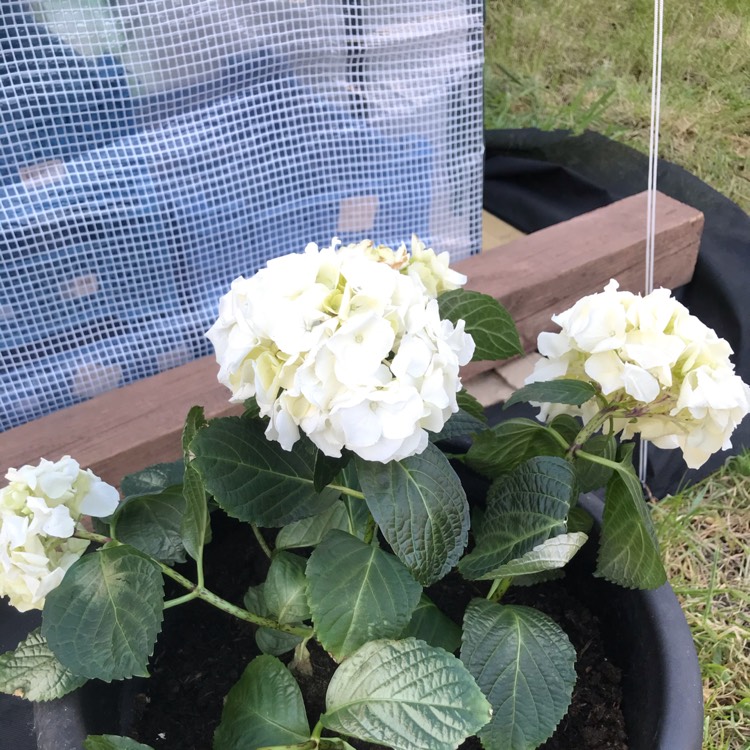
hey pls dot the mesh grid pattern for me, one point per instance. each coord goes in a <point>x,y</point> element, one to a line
<point>153,150</point>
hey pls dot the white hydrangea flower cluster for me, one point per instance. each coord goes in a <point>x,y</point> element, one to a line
<point>650,354</point>
<point>38,512</point>
<point>345,344</point>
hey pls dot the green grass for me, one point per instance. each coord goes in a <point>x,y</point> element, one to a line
<point>705,534</point>
<point>581,64</point>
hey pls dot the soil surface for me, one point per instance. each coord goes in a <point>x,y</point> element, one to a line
<point>202,652</point>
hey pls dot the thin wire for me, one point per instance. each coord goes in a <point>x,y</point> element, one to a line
<point>653,155</point>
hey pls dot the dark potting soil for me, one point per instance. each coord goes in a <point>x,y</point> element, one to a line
<point>202,652</point>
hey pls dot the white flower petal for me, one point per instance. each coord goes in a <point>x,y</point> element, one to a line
<point>606,369</point>
<point>101,500</point>
<point>59,523</point>
<point>639,383</point>
<point>58,478</point>
<point>360,347</point>
<point>553,344</point>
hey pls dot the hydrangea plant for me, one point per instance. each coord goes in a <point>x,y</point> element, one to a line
<point>346,361</point>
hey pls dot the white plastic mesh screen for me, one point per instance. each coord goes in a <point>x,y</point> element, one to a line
<point>153,150</point>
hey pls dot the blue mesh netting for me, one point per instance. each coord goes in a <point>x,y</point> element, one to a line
<point>152,151</point>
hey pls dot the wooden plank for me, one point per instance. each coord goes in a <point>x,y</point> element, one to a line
<point>121,431</point>
<point>546,272</point>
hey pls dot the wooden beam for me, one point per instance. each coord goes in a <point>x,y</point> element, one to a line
<point>124,430</point>
<point>546,272</point>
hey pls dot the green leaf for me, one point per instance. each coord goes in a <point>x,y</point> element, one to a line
<point>112,742</point>
<point>628,548</point>
<point>152,480</point>
<point>357,592</point>
<point>524,664</point>
<point>276,642</point>
<point>470,404</point>
<point>269,640</point>
<point>308,532</point>
<point>563,391</point>
<point>254,479</point>
<point>103,619</point>
<point>151,524</point>
<point>194,422</point>
<point>489,323</point>
<point>545,483</point>
<point>592,476</point>
<point>579,520</point>
<point>327,469</point>
<point>497,451</point>
<point>524,509</point>
<point>532,579</point>
<point>350,515</point>
<point>255,600</point>
<point>359,516</point>
<point>195,520</point>
<point>252,410</point>
<point>421,510</point>
<point>461,424</point>
<point>551,554</point>
<point>625,455</point>
<point>429,624</point>
<point>405,695</point>
<point>286,588</point>
<point>567,426</point>
<point>468,420</point>
<point>33,672</point>
<point>264,708</point>
<point>350,479</point>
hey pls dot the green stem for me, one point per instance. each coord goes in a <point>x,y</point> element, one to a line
<point>317,731</point>
<point>346,491</point>
<point>560,439</point>
<point>591,427</point>
<point>599,460</point>
<point>181,599</point>
<point>203,593</point>
<point>81,533</point>
<point>199,568</point>
<point>601,398</point>
<point>261,541</point>
<point>243,614</point>
<point>498,588</point>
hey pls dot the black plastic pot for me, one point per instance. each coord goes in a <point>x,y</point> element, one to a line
<point>647,637</point>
